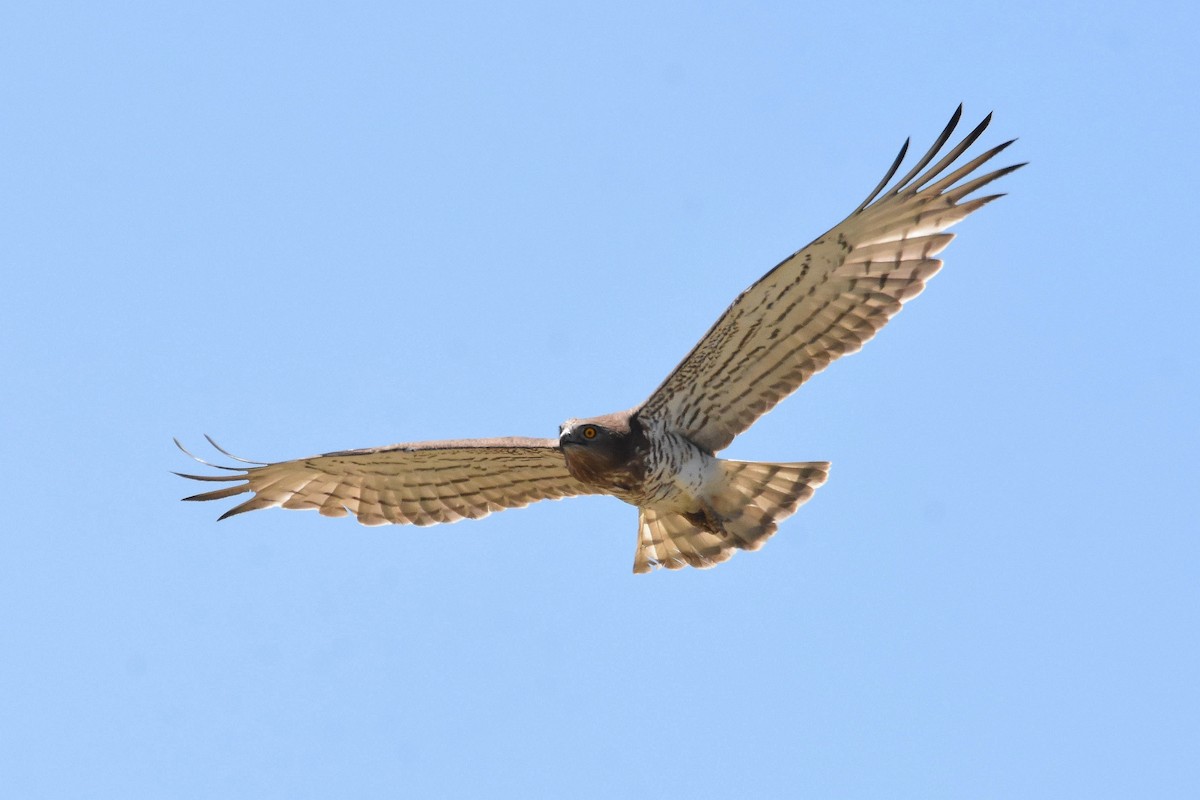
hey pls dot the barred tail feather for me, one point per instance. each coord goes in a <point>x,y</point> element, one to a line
<point>740,514</point>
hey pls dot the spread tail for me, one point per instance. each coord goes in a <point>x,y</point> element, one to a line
<point>740,514</point>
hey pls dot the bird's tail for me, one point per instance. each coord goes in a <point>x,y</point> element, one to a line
<point>741,514</point>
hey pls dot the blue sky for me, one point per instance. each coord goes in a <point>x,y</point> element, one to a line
<point>308,227</point>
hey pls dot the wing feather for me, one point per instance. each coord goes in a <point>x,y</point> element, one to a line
<point>827,299</point>
<point>419,483</point>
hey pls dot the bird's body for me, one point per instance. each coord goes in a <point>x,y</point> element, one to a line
<point>646,466</point>
<point>695,509</point>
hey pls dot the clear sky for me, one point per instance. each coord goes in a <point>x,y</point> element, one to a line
<point>303,227</point>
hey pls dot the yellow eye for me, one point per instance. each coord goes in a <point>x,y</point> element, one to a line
<point>589,432</point>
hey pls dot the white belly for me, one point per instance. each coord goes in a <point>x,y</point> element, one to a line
<point>679,475</point>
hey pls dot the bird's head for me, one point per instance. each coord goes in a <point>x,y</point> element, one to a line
<point>584,433</point>
<point>597,445</point>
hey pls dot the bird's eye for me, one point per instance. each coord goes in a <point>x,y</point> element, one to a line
<point>589,432</point>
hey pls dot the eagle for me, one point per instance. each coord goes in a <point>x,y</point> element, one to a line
<point>694,509</point>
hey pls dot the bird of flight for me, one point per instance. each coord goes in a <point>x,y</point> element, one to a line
<point>694,509</point>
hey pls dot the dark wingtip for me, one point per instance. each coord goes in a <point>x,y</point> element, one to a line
<point>199,460</point>
<point>241,508</point>
<point>185,451</point>
<point>241,476</point>
<point>241,479</point>
<point>231,455</point>
<point>890,173</point>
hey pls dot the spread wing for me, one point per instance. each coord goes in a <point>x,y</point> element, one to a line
<point>420,483</point>
<point>826,300</point>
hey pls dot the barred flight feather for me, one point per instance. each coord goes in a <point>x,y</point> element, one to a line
<point>828,298</point>
<point>419,484</point>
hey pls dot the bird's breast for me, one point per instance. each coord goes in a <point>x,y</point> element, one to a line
<point>605,472</point>
<point>677,473</point>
